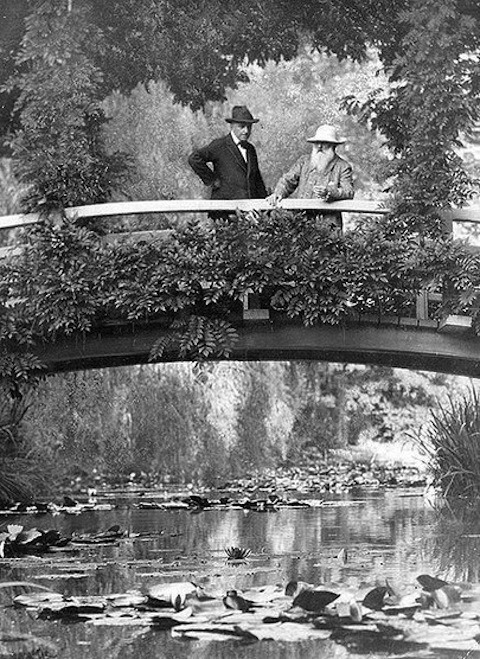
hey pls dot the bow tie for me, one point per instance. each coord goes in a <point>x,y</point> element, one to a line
<point>244,144</point>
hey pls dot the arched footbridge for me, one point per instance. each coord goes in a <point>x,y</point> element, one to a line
<point>417,342</point>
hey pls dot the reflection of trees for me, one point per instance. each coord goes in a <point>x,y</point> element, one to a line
<point>455,543</point>
<point>382,533</point>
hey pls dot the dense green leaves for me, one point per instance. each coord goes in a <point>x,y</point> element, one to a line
<point>67,280</point>
<point>433,102</point>
<point>200,48</point>
<point>73,54</point>
<point>58,146</point>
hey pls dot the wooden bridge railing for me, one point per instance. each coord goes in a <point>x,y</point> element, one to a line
<point>360,206</point>
<point>368,207</point>
<point>195,206</point>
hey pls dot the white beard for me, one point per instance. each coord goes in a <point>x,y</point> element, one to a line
<point>321,159</point>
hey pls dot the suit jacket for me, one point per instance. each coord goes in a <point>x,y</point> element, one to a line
<point>230,176</point>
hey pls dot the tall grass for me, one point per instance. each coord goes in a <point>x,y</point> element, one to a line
<point>452,445</point>
<point>18,480</point>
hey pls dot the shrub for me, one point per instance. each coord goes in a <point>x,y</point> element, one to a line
<point>452,444</point>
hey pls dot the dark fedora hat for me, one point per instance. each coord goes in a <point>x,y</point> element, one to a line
<point>241,115</point>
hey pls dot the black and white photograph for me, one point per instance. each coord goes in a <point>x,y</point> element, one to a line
<point>239,329</point>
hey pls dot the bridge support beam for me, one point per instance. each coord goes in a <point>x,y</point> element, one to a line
<point>413,348</point>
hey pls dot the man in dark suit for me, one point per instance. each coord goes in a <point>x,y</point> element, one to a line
<point>234,171</point>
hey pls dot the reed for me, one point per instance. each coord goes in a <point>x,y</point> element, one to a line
<point>18,477</point>
<point>452,445</point>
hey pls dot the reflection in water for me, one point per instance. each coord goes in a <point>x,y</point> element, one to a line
<point>353,541</point>
<point>455,542</point>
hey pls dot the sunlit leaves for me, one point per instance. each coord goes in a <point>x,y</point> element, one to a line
<point>58,149</point>
<point>54,281</point>
<point>433,102</point>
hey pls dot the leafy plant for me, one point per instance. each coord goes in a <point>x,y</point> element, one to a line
<point>57,87</point>
<point>197,338</point>
<point>432,101</point>
<point>452,444</point>
<point>237,553</point>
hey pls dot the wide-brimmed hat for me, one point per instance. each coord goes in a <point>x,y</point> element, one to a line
<point>241,115</point>
<point>326,133</point>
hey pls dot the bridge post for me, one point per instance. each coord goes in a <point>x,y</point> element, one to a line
<point>422,305</point>
<point>252,309</point>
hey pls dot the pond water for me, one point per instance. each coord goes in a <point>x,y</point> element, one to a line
<point>353,540</point>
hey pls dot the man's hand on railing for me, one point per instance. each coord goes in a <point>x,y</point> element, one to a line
<point>274,199</point>
<point>327,192</point>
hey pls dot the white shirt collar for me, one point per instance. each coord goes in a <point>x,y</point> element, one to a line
<point>241,148</point>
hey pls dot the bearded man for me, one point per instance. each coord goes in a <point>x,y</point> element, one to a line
<point>323,174</point>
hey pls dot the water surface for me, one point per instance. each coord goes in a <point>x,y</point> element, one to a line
<point>353,540</point>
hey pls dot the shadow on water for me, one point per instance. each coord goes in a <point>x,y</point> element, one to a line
<point>354,540</point>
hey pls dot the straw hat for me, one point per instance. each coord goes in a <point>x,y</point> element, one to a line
<point>326,133</point>
<point>241,115</point>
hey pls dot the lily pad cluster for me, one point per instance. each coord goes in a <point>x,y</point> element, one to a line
<point>196,503</point>
<point>332,477</point>
<point>67,506</point>
<point>16,541</point>
<point>433,614</point>
<point>317,475</point>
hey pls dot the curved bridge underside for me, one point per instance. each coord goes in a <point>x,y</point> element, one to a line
<point>413,348</point>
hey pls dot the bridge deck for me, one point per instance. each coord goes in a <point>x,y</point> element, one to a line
<point>357,342</point>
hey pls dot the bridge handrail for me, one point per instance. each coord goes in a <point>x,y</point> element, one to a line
<point>467,214</point>
<point>196,205</point>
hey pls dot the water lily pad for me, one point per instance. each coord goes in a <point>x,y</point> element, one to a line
<point>264,594</point>
<point>134,598</point>
<point>72,607</point>
<point>430,583</point>
<point>294,588</point>
<point>314,600</point>
<point>34,600</point>
<point>233,600</point>
<point>170,594</point>
<point>375,598</point>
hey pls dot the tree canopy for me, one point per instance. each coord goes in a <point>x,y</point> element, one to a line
<point>200,48</point>
<point>79,49</point>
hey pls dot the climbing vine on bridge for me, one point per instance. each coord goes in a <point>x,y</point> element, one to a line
<point>68,282</point>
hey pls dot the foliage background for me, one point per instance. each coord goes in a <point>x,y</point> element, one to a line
<point>291,99</point>
<point>207,423</point>
<point>59,73</point>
